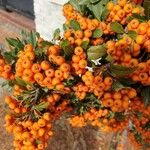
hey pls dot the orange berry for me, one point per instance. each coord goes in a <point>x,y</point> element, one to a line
<point>79,34</point>
<point>50,73</point>
<point>121,13</point>
<point>53,50</point>
<point>26,63</point>
<point>140,39</point>
<point>59,60</point>
<point>38,77</point>
<point>117,95</point>
<point>7,68</point>
<point>45,65</point>
<point>78,51</point>
<point>28,73</point>
<point>58,73</point>
<point>82,64</point>
<point>71,40</point>
<point>75,58</point>
<point>30,55</point>
<point>134,23</point>
<point>87,33</point>
<point>55,81</point>
<point>110,5</point>
<point>108,81</point>
<point>36,68</point>
<point>8,99</point>
<point>142,29</point>
<point>128,8</point>
<point>143,76</point>
<point>28,47</point>
<point>117,103</point>
<point>47,116</point>
<point>142,67</point>
<point>121,2</point>
<point>41,132</point>
<point>65,67</point>
<point>12,105</point>
<point>47,81</point>
<point>41,123</point>
<point>132,93</point>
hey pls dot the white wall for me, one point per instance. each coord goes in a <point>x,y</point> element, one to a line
<point>48,16</point>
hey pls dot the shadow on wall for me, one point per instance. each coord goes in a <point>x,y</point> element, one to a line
<point>22,6</point>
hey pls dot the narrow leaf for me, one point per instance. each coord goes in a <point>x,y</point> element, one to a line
<point>146,5</point>
<point>116,27</point>
<point>145,93</point>
<point>56,34</point>
<point>16,43</point>
<point>32,39</point>
<point>21,82</point>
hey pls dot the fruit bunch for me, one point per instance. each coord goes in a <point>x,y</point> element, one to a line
<point>97,72</point>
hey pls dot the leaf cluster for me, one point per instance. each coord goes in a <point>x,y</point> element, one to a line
<point>82,106</point>
<point>91,8</point>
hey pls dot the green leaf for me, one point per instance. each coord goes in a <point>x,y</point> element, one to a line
<point>146,5</point>
<point>126,81</point>
<point>75,25</point>
<point>94,1</point>
<point>65,27</point>
<point>65,45</point>
<point>10,56</point>
<point>46,43</point>
<point>119,116</point>
<point>117,86</point>
<point>109,58</point>
<point>56,34</point>
<point>132,34</point>
<point>120,71</point>
<point>97,33</point>
<point>104,15</point>
<point>85,44</point>
<point>16,43</point>
<point>95,52</point>
<point>117,27</point>
<point>21,82</point>
<point>41,106</point>
<point>33,39</point>
<point>145,93</point>
<point>96,10</point>
<point>84,2</point>
<point>76,5</point>
<point>137,16</point>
